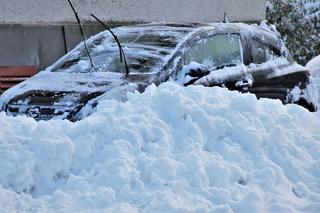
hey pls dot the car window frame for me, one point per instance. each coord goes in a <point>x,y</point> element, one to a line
<point>263,42</point>
<point>207,34</point>
<point>202,33</point>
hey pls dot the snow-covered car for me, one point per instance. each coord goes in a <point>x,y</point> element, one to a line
<point>247,58</point>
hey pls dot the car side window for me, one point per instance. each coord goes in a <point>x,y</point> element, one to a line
<point>216,51</point>
<point>261,52</point>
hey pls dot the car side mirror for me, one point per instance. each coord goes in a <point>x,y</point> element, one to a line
<point>197,70</point>
<point>192,72</point>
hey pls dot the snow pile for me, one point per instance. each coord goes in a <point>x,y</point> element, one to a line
<point>314,67</point>
<point>170,149</point>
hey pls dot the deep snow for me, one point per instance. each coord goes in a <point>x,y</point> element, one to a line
<point>170,149</point>
<point>314,67</point>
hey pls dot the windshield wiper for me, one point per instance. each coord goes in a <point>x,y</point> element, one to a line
<point>83,36</point>
<point>122,55</point>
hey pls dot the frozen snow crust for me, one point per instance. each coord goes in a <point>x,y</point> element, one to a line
<point>170,149</point>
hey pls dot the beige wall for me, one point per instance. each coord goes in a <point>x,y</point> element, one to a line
<point>27,36</point>
<point>39,45</point>
<point>58,11</point>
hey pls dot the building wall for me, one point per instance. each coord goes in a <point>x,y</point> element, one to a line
<point>38,45</point>
<point>57,11</point>
<point>38,32</point>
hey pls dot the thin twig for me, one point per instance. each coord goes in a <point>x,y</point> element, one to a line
<point>83,36</point>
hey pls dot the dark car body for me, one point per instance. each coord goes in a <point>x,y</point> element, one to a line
<point>248,58</point>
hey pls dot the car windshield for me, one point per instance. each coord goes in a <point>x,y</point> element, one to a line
<point>146,50</point>
<point>217,51</point>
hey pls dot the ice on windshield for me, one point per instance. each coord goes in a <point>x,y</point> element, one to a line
<point>217,51</point>
<point>146,49</point>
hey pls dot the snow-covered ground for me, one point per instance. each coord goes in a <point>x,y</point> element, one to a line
<point>170,149</point>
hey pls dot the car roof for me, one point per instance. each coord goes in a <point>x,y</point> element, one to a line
<point>262,32</point>
<point>253,28</point>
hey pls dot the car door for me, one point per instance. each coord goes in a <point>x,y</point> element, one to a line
<point>216,52</point>
<point>246,62</point>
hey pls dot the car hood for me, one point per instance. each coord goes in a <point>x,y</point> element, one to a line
<point>66,82</point>
<point>57,95</point>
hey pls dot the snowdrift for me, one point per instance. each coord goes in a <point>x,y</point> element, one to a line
<point>170,149</point>
<point>314,67</point>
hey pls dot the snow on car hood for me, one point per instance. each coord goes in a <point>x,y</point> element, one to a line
<point>169,149</point>
<point>66,82</point>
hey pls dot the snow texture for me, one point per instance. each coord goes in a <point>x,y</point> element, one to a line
<point>170,149</point>
<point>314,67</point>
